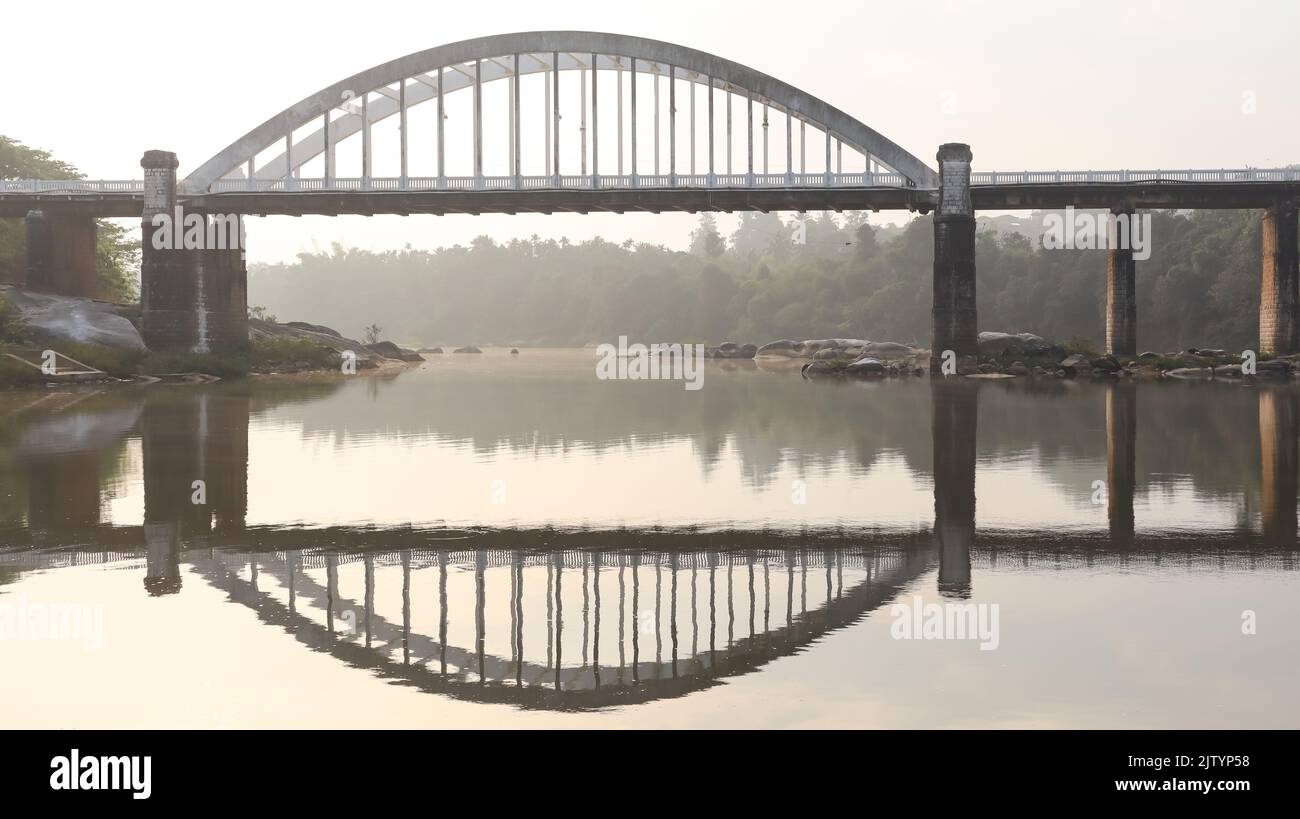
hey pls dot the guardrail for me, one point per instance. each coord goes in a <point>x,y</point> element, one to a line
<point>1134,176</point>
<point>71,186</point>
<point>654,181</point>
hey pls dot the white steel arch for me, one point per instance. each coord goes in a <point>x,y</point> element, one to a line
<point>354,105</point>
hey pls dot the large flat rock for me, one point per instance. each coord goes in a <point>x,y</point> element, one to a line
<point>80,321</point>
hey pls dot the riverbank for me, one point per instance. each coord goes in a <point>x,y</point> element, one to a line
<point>48,340</point>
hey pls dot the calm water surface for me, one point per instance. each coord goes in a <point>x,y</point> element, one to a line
<point>491,541</point>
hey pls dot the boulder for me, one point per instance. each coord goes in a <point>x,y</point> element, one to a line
<point>1075,364</point>
<point>1106,364</point>
<point>315,328</point>
<point>1018,368</point>
<point>1148,355</point>
<point>835,354</point>
<point>469,349</point>
<point>430,350</point>
<point>815,369</point>
<point>514,351</point>
<point>388,349</point>
<point>865,367</point>
<point>784,347</point>
<point>1021,344</point>
<point>76,320</point>
<point>889,349</point>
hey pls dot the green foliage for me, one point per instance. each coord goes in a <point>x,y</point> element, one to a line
<point>117,258</point>
<point>13,328</point>
<point>223,366</point>
<point>292,353</point>
<point>117,261</point>
<point>115,362</point>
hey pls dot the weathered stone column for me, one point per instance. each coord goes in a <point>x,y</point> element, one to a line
<point>1121,461</point>
<point>222,286</point>
<point>1121,291</point>
<point>61,254</point>
<point>167,274</point>
<point>954,420</point>
<point>193,276</point>
<point>1279,298</point>
<point>954,323</point>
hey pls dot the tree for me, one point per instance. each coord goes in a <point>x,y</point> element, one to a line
<point>117,256</point>
<point>373,333</point>
<point>705,239</point>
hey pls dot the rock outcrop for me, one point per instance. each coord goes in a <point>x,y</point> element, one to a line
<point>54,319</point>
<point>1017,344</point>
<point>388,349</point>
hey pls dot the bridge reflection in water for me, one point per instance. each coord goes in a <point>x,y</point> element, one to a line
<point>571,619</point>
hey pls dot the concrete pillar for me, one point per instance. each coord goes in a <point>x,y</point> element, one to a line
<point>40,249</point>
<point>167,292</point>
<point>1279,300</point>
<point>1121,296</point>
<point>954,417</point>
<point>954,323</point>
<point>1121,460</point>
<point>193,276</point>
<point>1279,434</point>
<point>61,252</point>
<point>222,287</point>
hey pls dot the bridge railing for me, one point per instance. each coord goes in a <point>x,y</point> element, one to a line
<point>654,181</point>
<point>71,186</point>
<point>1135,176</point>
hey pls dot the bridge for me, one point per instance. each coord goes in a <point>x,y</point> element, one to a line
<point>599,122</point>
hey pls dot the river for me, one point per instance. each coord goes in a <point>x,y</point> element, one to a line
<point>508,541</point>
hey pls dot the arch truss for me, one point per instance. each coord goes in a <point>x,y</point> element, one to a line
<point>566,110</point>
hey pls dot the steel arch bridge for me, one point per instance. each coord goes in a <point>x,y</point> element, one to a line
<point>669,77</point>
<point>659,127</point>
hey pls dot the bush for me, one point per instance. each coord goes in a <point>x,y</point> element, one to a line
<point>292,354</point>
<point>222,366</point>
<point>13,328</point>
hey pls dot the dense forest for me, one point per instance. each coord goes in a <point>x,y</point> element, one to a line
<point>848,278</point>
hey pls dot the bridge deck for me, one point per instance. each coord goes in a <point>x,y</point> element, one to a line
<point>990,191</point>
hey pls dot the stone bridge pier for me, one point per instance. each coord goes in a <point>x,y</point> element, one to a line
<point>61,250</point>
<point>1279,297</point>
<point>193,275</point>
<point>953,320</point>
<point>1121,286</point>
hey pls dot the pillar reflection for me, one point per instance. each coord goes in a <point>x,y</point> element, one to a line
<point>954,414</point>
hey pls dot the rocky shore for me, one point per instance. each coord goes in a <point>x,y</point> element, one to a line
<point>99,341</point>
<point>1018,355</point>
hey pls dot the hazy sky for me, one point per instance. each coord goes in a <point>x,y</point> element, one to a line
<point>1028,84</point>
